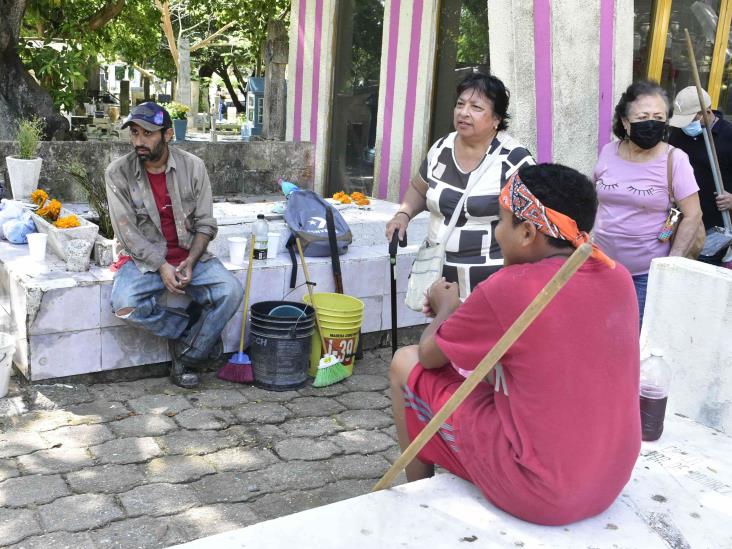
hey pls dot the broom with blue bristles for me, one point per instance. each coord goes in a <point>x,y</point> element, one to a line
<point>330,369</point>
<point>239,367</point>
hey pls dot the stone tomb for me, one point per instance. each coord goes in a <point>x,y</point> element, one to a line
<point>64,324</point>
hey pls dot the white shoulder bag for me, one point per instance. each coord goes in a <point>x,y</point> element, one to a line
<point>427,266</point>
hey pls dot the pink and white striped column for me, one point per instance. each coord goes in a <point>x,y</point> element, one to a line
<point>405,93</point>
<point>310,78</point>
<point>566,62</point>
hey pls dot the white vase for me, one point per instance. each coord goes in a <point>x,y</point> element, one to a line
<point>23,174</point>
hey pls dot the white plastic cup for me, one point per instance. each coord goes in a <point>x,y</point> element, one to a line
<point>237,249</point>
<point>273,244</point>
<point>37,246</point>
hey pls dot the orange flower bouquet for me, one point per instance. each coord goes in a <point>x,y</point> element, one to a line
<point>357,198</point>
<point>61,225</point>
<point>51,211</point>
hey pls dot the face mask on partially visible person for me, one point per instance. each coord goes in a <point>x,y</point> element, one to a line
<point>647,133</point>
<point>693,129</point>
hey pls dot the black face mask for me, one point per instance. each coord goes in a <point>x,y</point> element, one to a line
<point>648,133</point>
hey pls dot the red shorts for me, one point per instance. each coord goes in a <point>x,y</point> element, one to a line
<point>425,393</point>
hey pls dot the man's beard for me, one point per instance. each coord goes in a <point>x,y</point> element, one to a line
<point>151,156</point>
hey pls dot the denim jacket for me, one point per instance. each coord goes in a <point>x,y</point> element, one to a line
<point>134,214</point>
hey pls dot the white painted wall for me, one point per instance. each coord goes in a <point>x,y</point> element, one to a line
<point>689,315</point>
<point>575,28</point>
<point>511,42</point>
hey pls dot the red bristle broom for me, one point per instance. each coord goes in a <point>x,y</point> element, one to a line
<point>239,367</point>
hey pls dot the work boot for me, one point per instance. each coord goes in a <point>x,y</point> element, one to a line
<point>182,350</point>
<point>180,374</point>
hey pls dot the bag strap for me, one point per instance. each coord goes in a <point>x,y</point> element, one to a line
<point>290,245</point>
<point>670,174</point>
<point>475,176</point>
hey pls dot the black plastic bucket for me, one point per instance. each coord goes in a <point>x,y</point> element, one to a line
<point>280,345</point>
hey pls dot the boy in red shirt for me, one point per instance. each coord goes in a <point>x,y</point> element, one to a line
<point>552,436</point>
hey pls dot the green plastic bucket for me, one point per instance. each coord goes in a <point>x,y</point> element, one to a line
<point>340,318</point>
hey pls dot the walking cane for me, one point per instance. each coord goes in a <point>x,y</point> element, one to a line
<point>515,331</point>
<point>711,152</point>
<point>392,266</point>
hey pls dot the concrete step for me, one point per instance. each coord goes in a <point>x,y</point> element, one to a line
<point>679,496</point>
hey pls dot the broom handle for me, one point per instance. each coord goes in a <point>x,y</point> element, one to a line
<point>711,147</point>
<point>247,287</point>
<point>310,292</point>
<point>575,261</point>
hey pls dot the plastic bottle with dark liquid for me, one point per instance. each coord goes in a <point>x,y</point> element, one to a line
<point>655,380</point>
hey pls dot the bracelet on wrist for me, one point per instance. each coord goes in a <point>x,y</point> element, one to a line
<point>405,213</point>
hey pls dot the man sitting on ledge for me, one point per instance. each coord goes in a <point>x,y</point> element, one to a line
<point>162,214</point>
<point>553,435</point>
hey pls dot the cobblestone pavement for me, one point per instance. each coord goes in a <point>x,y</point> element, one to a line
<point>144,463</point>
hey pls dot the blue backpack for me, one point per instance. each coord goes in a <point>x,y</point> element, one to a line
<point>305,217</point>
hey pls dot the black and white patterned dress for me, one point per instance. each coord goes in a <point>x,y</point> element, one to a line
<point>472,254</point>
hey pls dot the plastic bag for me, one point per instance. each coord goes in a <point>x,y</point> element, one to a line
<point>16,230</point>
<point>9,210</point>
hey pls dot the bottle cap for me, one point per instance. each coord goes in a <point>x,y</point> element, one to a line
<point>656,352</point>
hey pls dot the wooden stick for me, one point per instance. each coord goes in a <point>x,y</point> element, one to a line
<point>519,326</point>
<point>310,292</point>
<point>702,106</point>
<point>713,158</point>
<point>246,294</point>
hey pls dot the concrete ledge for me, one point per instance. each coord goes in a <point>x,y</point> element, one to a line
<point>689,315</point>
<point>64,324</point>
<point>235,168</point>
<point>679,496</point>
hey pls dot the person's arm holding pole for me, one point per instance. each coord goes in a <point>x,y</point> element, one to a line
<point>708,137</point>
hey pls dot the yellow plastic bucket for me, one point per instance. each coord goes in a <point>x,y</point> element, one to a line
<point>340,318</point>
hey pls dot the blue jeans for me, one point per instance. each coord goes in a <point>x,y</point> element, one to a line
<point>212,286</point>
<point>641,285</point>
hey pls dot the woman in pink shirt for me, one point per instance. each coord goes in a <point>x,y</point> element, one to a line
<point>632,186</point>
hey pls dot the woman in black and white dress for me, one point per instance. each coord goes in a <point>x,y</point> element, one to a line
<point>480,120</point>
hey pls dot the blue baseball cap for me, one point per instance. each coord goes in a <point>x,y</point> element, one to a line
<point>149,116</point>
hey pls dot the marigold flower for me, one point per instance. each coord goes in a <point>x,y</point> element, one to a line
<point>67,222</point>
<point>39,197</point>
<point>54,209</point>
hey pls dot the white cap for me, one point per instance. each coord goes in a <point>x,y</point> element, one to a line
<point>656,352</point>
<point>686,106</point>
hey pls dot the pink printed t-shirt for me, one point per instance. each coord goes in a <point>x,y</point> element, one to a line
<point>557,439</point>
<point>634,203</point>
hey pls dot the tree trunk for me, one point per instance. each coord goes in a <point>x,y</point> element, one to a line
<point>224,74</point>
<point>20,95</point>
<point>275,59</point>
<point>184,72</point>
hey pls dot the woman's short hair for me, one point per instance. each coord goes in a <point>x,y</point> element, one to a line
<point>565,190</point>
<point>634,91</point>
<point>492,88</point>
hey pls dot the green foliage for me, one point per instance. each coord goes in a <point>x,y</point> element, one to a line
<point>177,111</point>
<point>57,70</point>
<point>29,134</point>
<point>60,38</point>
<point>472,41</point>
<point>96,194</point>
<point>243,50</point>
<point>367,30</point>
